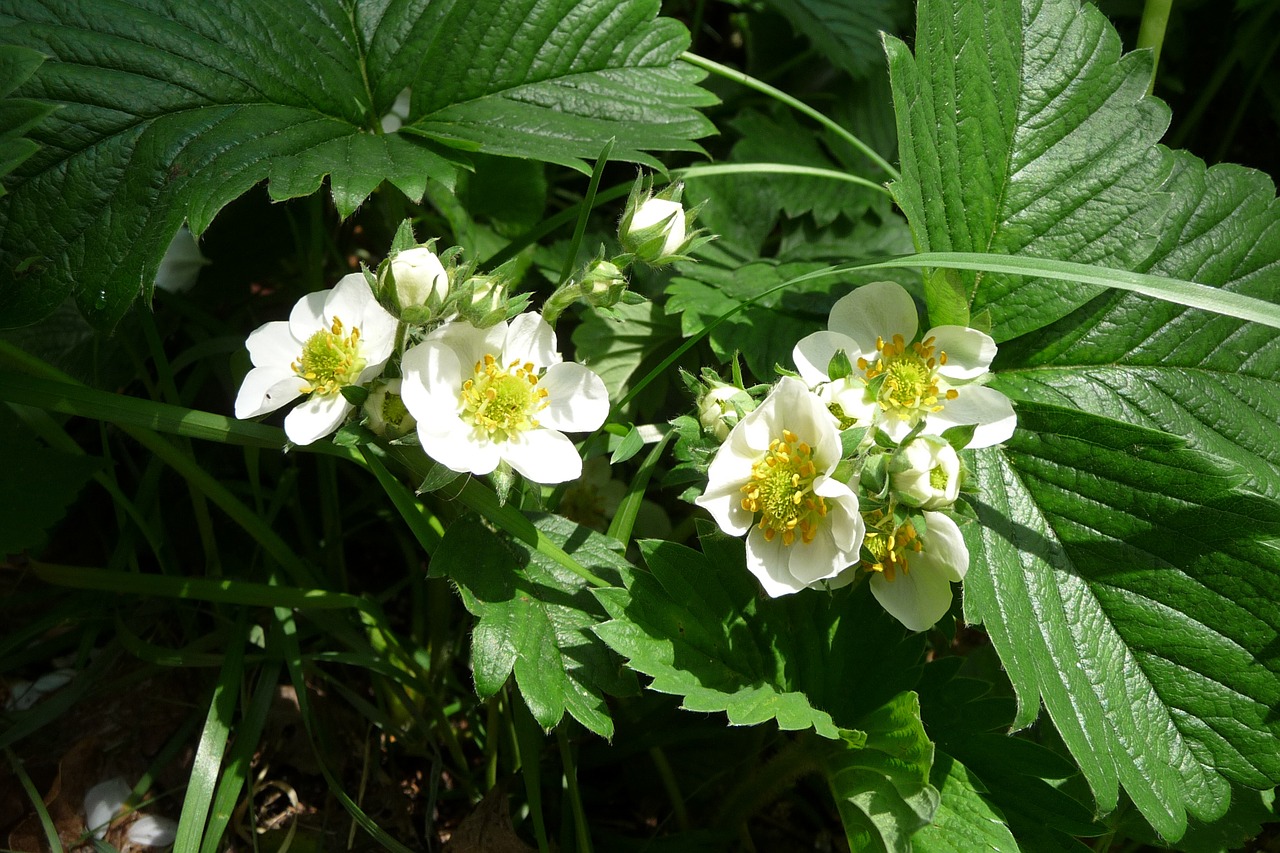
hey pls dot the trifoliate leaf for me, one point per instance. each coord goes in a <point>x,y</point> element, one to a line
<point>882,789</point>
<point>170,111</point>
<point>534,618</point>
<point>698,626</point>
<point>1126,582</point>
<point>1023,130</point>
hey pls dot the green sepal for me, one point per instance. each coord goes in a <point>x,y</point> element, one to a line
<point>839,367</point>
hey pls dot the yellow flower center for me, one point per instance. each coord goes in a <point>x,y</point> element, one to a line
<point>904,378</point>
<point>501,401</point>
<point>887,546</point>
<point>330,360</point>
<point>938,478</point>
<point>780,491</point>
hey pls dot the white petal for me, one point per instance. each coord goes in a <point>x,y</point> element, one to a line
<point>348,300</point>
<point>814,353</point>
<point>453,444</point>
<point>543,456</point>
<point>917,599</point>
<point>729,470</point>
<point>103,802</point>
<point>897,429</point>
<point>843,518</point>
<point>969,352</point>
<point>768,561</point>
<point>266,389</point>
<point>316,417</point>
<point>529,338</point>
<point>470,344</point>
<point>152,831</point>
<point>272,344</point>
<point>879,309</point>
<point>577,400</point>
<point>944,550</point>
<point>307,316</point>
<point>432,380</point>
<point>818,560</point>
<point>984,407</point>
<point>180,266</point>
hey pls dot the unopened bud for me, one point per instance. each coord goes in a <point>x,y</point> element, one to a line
<point>926,473</point>
<point>654,229</point>
<point>603,284</point>
<point>721,407</point>
<point>420,278</point>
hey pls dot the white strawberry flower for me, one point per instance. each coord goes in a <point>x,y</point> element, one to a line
<point>895,381</point>
<point>912,571</point>
<point>332,339</point>
<point>502,394</point>
<point>772,480</point>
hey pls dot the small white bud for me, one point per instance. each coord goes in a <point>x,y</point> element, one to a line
<point>718,408</point>
<point>926,473</point>
<point>420,278</point>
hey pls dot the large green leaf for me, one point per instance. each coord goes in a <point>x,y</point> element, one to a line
<point>168,111</point>
<point>698,626</point>
<point>1210,378</point>
<point>1022,130</point>
<point>534,618</point>
<point>1127,582</point>
<point>882,787</point>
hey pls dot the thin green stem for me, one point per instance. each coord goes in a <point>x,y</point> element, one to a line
<point>1155,18</point>
<point>760,86</point>
<point>1262,69</point>
<point>573,792</point>
<point>774,169</point>
<point>671,785</point>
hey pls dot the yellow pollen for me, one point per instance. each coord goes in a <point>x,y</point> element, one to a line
<point>905,378</point>
<point>501,401</point>
<point>780,491</point>
<point>330,360</point>
<point>886,547</point>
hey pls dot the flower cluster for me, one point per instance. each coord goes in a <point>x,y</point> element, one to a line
<point>431,349</point>
<point>850,468</point>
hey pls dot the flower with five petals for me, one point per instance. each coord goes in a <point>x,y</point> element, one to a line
<point>332,339</point>
<point>502,394</point>
<point>895,381</point>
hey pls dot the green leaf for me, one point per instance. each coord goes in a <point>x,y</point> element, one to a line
<point>1209,378</point>
<point>766,331</point>
<point>534,618</point>
<point>882,789</point>
<point>37,484</point>
<point>1124,580</point>
<point>845,33</point>
<point>1018,775</point>
<point>555,81</point>
<point>1023,130</point>
<point>170,111</point>
<point>625,346</point>
<point>964,821</point>
<point>17,115</point>
<point>698,626</point>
